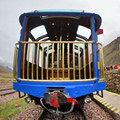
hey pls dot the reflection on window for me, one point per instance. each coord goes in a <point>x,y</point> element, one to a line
<point>84,31</point>
<point>39,31</point>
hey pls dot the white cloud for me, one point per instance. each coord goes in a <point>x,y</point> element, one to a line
<point>1,60</point>
<point>11,9</point>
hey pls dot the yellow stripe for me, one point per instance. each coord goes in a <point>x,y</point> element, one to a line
<point>111,92</point>
<point>101,101</point>
<point>109,106</point>
<point>98,63</point>
<point>113,108</point>
<point>96,97</point>
<point>104,103</point>
<point>117,111</point>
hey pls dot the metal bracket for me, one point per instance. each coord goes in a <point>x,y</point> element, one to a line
<point>21,96</point>
<point>98,93</point>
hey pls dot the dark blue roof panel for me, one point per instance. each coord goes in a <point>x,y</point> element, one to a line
<point>62,13</point>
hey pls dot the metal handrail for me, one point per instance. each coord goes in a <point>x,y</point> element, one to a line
<point>32,71</point>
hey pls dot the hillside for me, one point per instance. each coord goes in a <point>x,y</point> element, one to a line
<point>5,76</point>
<point>112,53</point>
<point>3,70</point>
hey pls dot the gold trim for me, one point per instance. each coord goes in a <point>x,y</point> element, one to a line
<point>81,80</point>
<point>60,42</point>
<point>63,60</point>
<point>68,60</point>
<point>73,62</point>
<point>47,59</point>
<point>58,61</point>
<point>52,60</point>
<point>79,61</point>
<point>89,61</point>
<point>42,61</point>
<point>24,61</point>
<point>84,61</point>
<point>69,68</point>
<point>33,50</point>
<point>98,64</point>
<point>102,63</point>
<point>15,62</point>
<point>37,60</point>
<point>28,61</point>
<point>100,59</point>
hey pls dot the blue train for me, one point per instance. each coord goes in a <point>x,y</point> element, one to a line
<point>58,59</point>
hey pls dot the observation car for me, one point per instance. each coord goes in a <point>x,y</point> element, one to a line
<point>58,59</point>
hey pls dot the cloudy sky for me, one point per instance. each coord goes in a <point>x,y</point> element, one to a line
<point>10,11</point>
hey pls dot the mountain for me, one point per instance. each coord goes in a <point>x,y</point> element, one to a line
<point>5,65</point>
<point>112,53</point>
<point>3,70</point>
<point>8,68</point>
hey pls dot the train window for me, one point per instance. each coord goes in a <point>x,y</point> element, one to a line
<point>84,31</point>
<point>30,51</point>
<point>39,31</point>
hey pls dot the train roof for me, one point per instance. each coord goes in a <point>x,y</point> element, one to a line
<point>44,13</point>
<point>60,18</point>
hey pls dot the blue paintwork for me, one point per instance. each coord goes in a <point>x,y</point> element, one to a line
<point>74,89</point>
<point>97,55</point>
<point>19,50</point>
<point>94,49</point>
<point>61,13</point>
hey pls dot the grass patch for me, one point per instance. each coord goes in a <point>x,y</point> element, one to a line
<point>11,108</point>
<point>5,87</point>
<point>6,77</point>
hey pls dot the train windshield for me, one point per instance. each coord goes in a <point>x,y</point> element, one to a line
<point>59,28</point>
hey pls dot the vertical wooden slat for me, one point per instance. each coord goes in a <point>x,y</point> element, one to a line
<point>24,61</point>
<point>100,60</point>
<point>73,62</point>
<point>58,60</point>
<point>89,60</point>
<point>52,60</point>
<point>47,60</point>
<point>63,60</point>
<point>68,58</point>
<point>37,60</point>
<point>42,61</point>
<point>28,61</point>
<point>84,61</point>
<point>15,62</point>
<point>33,50</point>
<point>79,62</point>
<point>103,63</point>
<point>60,47</point>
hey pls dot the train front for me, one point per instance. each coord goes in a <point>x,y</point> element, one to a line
<point>58,60</point>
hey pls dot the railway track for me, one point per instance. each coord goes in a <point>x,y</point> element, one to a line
<point>90,111</point>
<point>76,114</point>
<point>8,91</point>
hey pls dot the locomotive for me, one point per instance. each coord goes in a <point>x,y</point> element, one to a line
<point>58,59</point>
